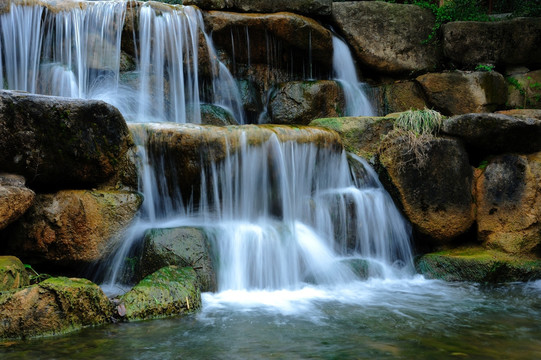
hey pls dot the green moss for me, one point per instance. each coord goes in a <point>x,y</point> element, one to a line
<point>329,123</point>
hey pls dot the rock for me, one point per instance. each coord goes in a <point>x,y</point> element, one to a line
<point>72,228</point>
<point>432,180</point>
<point>12,273</point>
<point>54,306</point>
<point>525,90</point>
<point>522,113</point>
<point>478,265</point>
<point>360,135</point>
<point>300,102</point>
<point>508,196</point>
<point>169,291</point>
<point>492,134</point>
<point>506,42</point>
<point>462,92</point>
<point>216,115</point>
<point>58,142</point>
<point>403,96</point>
<point>15,198</point>
<point>183,246</point>
<point>306,7</point>
<point>388,37</point>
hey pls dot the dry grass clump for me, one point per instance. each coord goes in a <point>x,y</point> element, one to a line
<point>420,122</point>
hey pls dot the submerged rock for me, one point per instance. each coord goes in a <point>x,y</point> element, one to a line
<point>388,37</point>
<point>58,142</point>
<point>15,198</point>
<point>183,246</point>
<point>54,306</point>
<point>12,273</point>
<point>167,292</point>
<point>478,265</point>
<point>72,228</point>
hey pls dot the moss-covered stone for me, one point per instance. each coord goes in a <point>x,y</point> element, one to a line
<point>478,265</point>
<point>167,292</point>
<point>54,306</point>
<point>12,273</point>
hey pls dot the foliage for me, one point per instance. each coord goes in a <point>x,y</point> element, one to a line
<point>526,90</point>
<point>35,277</point>
<point>484,67</point>
<point>420,122</point>
<point>530,8</point>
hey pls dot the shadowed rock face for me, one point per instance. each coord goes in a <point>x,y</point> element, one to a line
<point>306,7</point>
<point>58,142</point>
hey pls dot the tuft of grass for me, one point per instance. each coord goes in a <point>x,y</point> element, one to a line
<point>420,122</point>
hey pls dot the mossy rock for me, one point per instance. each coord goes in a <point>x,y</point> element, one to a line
<point>478,265</point>
<point>167,292</point>
<point>13,274</point>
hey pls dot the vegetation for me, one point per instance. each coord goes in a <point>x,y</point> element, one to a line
<point>483,67</point>
<point>530,91</point>
<point>420,122</point>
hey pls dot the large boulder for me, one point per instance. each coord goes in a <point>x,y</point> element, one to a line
<point>57,142</point>
<point>432,179</point>
<point>306,7</point>
<point>54,306</point>
<point>12,273</point>
<point>15,198</point>
<point>485,133</point>
<point>72,228</point>
<point>525,90</point>
<point>167,292</point>
<point>402,96</point>
<point>508,197</point>
<point>506,42</point>
<point>182,246</point>
<point>460,92</point>
<point>300,102</point>
<point>388,37</point>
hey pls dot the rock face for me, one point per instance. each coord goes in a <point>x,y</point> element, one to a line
<point>12,273</point>
<point>508,195</point>
<point>522,113</point>
<point>478,265</point>
<point>388,37</point>
<point>307,7</point>
<point>435,192</point>
<point>495,133</point>
<point>169,291</point>
<point>72,228</point>
<point>300,102</point>
<point>461,92</point>
<point>54,306</point>
<point>525,90</point>
<point>403,96</point>
<point>58,142</point>
<point>215,115</point>
<point>184,246</point>
<point>360,135</point>
<point>505,42</point>
<point>15,198</point>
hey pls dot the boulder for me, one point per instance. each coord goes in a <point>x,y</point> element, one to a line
<point>54,306</point>
<point>183,246</point>
<point>300,102</point>
<point>12,273</point>
<point>525,90</point>
<point>58,142</point>
<point>460,92</point>
<point>522,113</point>
<point>72,228</point>
<point>492,134</point>
<point>15,198</point>
<point>403,96</point>
<point>506,42</point>
<point>388,37</point>
<point>360,135</point>
<point>216,115</point>
<point>432,180</point>
<point>477,265</point>
<point>508,196</point>
<point>306,7</point>
<point>167,292</point>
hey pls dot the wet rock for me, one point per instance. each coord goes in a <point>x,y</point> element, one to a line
<point>505,42</point>
<point>12,273</point>
<point>15,198</point>
<point>525,90</point>
<point>478,265</point>
<point>54,306</point>
<point>432,180</point>
<point>461,92</point>
<point>485,134</point>
<point>169,291</point>
<point>306,7</point>
<point>216,115</point>
<point>300,102</point>
<point>183,246</point>
<point>72,228</point>
<point>57,142</point>
<point>388,37</point>
<point>508,196</point>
